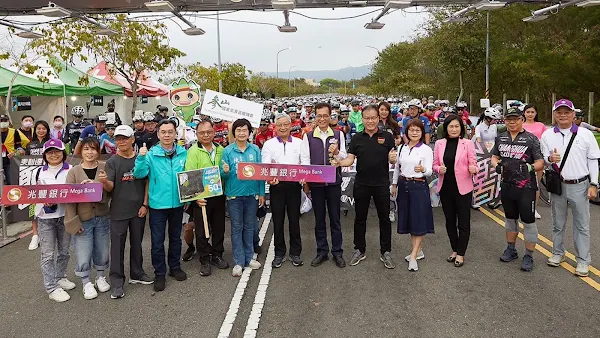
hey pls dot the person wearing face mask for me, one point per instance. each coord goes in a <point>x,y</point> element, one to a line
<point>27,126</point>
<point>75,127</point>
<point>13,143</point>
<point>58,131</point>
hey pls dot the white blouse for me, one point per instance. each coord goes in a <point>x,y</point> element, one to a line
<point>409,158</point>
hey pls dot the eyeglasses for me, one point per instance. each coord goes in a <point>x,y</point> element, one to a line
<point>322,117</point>
<point>110,128</point>
<point>205,133</point>
<point>264,124</point>
<point>54,152</point>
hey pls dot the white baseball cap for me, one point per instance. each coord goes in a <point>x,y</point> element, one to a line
<point>124,130</point>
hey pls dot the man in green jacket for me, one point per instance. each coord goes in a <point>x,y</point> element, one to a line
<point>205,154</point>
<point>356,116</point>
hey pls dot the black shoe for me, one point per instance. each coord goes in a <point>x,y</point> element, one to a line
<point>319,260</point>
<point>159,283</point>
<point>459,264</point>
<point>277,261</point>
<point>258,249</point>
<point>339,261</point>
<point>219,262</point>
<point>178,274</point>
<point>451,259</point>
<point>296,260</point>
<point>144,280</point>
<point>189,254</point>
<point>205,269</point>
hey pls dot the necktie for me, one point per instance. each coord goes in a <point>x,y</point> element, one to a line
<point>59,135</point>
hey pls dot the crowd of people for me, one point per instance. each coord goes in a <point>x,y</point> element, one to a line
<point>369,133</point>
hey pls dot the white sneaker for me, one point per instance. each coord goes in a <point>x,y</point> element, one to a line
<point>254,265</point>
<point>237,271</point>
<point>555,260</point>
<point>537,215</point>
<point>392,215</point>
<point>35,243</point>
<point>102,284</point>
<point>59,295</point>
<point>66,284</point>
<point>89,292</point>
<point>412,265</point>
<point>582,270</point>
<point>420,255</point>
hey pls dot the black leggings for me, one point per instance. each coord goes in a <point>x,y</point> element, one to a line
<point>457,207</point>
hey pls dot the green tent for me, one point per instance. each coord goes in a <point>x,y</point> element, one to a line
<point>70,76</point>
<point>26,86</point>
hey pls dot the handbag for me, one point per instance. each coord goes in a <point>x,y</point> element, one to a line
<point>552,179</point>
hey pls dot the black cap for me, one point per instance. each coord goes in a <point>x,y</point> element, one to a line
<point>163,108</point>
<point>513,112</point>
<point>4,117</point>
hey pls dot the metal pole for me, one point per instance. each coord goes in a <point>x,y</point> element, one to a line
<point>552,106</point>
<point>487,58</point>
<point>219,52</point>
<point>353,86</point>
<point>4,229</point>
<point>591,108</point>
<point>278,61</point>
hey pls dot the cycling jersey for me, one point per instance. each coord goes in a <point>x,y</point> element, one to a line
<point>261,138</point>
<point>296,128</point>
<point>74,130</point>
<point>150,139</point>
<point>221,133</point>
<point>90,131</point>
<point>422,118</point>
<point>514,155</point>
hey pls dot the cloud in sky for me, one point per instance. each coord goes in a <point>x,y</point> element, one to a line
<point>317,45</point>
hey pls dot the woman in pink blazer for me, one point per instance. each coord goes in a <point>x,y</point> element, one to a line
<point>455,162</point>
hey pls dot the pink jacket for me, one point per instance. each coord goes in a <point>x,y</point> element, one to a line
<point>465,156</point>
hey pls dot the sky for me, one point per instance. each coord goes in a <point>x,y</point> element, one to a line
<point>317,45</point>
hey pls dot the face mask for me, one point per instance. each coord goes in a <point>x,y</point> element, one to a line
<point>58,124</point>
<point>27,124</point>
<point>4,125</point>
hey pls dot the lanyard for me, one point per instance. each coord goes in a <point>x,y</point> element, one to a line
<point>213,154</point>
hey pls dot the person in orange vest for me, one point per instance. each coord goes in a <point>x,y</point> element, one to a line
<point>13,143</point>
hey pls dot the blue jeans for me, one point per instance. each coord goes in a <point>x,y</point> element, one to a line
<point>158,227</point>
<point>54,248</point>
<point>92,245</point>
<point>242,213</point>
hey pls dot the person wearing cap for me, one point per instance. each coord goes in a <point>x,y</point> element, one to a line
<point>160,164</point>
<point>150,137</point>
<point>206,153</point>
<point>579,117</point>
<point>54,240</point>
<point>161,113</point>
<point>579,174</point>
<point>284,196</point>
<point>88,223</point>
<point>349,126</point>
<point>318,148</point>
<point>110,108</point>
<point>373,150</point>
<point>356,116</point>
<point>222,131</point>
<point>108,144</point>
<point>13,143</point>
<point>58,129</point>
<point>297,124</point>
<point>308,109</point>
<point>95,130</point>
<point>75,127</point>
<point>414,112</point>
<point>138,128</point>
<point>265,131</point>
<point>127,214</point>
<point>311,124</point>
<point>516,155</point>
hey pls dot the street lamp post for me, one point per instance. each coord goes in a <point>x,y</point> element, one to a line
<point>378,52</point>
<point>487,58</point>
<point>278,60</point>
<point>289,81</point>
<point>219,53</point>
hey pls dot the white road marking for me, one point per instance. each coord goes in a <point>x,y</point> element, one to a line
<point>242,284</point>
<point>261,293</point>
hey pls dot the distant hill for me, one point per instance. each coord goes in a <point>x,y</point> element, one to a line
<point>344,74</point>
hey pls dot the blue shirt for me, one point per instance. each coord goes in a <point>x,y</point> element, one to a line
<point>422,118</point>
<point>232,155</point>
<point>90,131</point>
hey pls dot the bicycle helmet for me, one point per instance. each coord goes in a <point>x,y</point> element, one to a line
<point>461,104</point>
<point>292,109</point>
<point>492,113</point>
<point>78,111</point>
<point>444,103</point>
<point>415,103</point>
<point>266,115</point>
<point>148,117</point>
<point>579,114</point>
<point>430,106</point>
<point>216,120</point>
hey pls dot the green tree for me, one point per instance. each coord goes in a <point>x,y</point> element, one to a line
<point>331,83</point>
<point>137,46</point>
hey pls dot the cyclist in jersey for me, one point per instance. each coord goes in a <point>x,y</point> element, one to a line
<point>221,131</point>
<point>265,130</point>
<point>96,130</point>
<point>517,156</point>
<point>108,143</point>
<point>297,124</point>
<point>355,116</point>
<point>150,137</point>
<point>579,117</point>
<point>487,131</point>
<point>414,112</point>
<point>75,127</point>
<point>429,112</point>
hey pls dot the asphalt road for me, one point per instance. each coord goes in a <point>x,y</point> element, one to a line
<point>484,298</point>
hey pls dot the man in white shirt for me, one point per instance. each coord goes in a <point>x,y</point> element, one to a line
<point>579,183</point>
<point>284,149</point>
<point>319,147</point>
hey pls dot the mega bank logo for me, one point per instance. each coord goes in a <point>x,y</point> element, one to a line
<point>248,171</point>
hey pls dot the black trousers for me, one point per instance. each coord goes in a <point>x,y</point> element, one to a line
<point>457,207</point>
<point>362,199</point>
<point>118,237</point>
<point>215,214</point>
<point>285,196</point>
<point>326,199</point>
